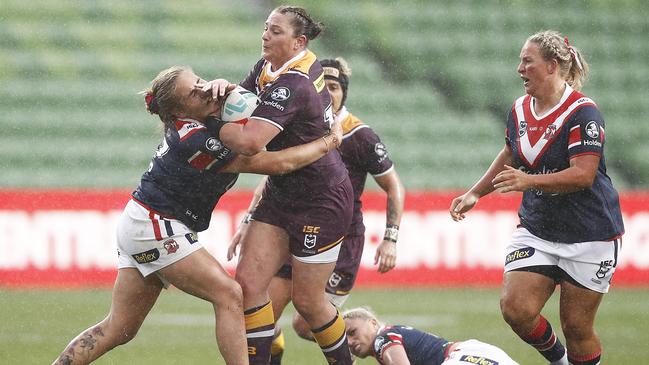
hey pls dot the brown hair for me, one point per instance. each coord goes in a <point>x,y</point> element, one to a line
<point>161,98</point>
<point>572,65</point>
<point>302,22</point>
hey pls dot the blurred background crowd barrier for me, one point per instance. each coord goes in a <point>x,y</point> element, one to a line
<point>435,79</point>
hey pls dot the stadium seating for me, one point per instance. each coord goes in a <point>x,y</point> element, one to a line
<point>434,79</point>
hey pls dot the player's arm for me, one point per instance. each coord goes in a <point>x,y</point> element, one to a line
<point>580,175</point>
<point>243,226</point>
<point>250,138</point>
<point>395,355</point>
<point>284,161</point>
<point>484,186</point>
<point>386,253</point>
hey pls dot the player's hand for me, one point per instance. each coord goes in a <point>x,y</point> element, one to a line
<point>218,88</point>
<point>511,179</point>
<point>386,256</point>
<point>337,130</point>
<point>462,204</point>
<point>236,241</point>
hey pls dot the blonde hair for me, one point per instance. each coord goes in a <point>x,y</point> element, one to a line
<point>572,65</point>
<point>161,98</point>
<point>363,313</point>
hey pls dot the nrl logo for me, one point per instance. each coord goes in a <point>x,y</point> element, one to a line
<point>310,240</point>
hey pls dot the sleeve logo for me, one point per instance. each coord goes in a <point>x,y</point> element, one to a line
<point>213,144</point>
<point>592,129</point>
<point>280,94</point>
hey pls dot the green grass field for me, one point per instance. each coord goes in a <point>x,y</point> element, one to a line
<point>36,325</point>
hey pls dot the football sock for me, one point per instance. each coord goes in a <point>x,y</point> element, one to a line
<point>260,328</point>
<point>277,348</point>
<point>546,342</point>
<point>332,340</point>
<point>592,359</point>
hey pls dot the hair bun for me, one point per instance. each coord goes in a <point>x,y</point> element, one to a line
<point>151,103</point>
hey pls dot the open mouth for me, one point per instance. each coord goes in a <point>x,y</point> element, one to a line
<point>526,81</point>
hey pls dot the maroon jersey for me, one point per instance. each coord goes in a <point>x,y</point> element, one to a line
<point>363,153</point>
<point>295,100</point>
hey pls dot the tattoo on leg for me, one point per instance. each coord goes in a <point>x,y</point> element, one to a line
<point>85,343</point>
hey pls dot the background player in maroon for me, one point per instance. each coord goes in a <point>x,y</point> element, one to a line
<point>190,171</point>
<point>570,219</point>
<point>363,154</point>
<point>305,213</point>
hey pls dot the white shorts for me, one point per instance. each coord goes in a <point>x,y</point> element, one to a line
<point>590,264</point>
<point>476,352</point>
<point>149,242</point>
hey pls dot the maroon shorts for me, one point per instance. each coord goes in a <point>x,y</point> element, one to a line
<point>344,275</point>
<point>316,224</point>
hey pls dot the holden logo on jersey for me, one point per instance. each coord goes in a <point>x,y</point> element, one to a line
<point>310,240</point>
<point>280,93</point>
<point>522,128</point>
<point>213,144</point>
<point>334,279</point>
<point>381,151</point>
<point>171,246</point>
<point>592,129</point>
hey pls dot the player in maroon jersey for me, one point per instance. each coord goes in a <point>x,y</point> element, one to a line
<point>156,234</point>
<point>304,214</point>
<point>363,154</point>
<point>570,218</point>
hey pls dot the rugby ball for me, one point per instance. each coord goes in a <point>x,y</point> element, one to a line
<point>238,105</point>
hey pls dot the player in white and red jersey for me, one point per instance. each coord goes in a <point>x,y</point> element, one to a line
<point>157,242</point>
<point>405,345</point>
<point>570,219</point>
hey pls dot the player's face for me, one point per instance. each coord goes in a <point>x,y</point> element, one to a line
<point>277,42</point>
<point>360,336</point>
<point>533,69</point>
<point>336,92</point>
<point>196,104</point>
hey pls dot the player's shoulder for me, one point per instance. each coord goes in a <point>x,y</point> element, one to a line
<point>351,124</point>
<point>187,128</point>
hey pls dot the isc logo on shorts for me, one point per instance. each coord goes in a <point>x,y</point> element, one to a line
<point>147,256</point>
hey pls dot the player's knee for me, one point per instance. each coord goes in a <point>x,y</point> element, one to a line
<point>248,284</point>
<point>516,311</point>
<point>229,295</point>
<point>576,329</point>
<point>301,327</point>
<point>307,304</point>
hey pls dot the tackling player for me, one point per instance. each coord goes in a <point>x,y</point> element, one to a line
<point>570,220</point>
<point>363,154</point>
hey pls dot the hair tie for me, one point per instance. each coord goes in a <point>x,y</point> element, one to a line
<point>151,103</point>
<point>573,53</point>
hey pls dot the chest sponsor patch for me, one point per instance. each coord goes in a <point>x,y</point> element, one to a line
<point>147,256</point>
<point>523,253</point>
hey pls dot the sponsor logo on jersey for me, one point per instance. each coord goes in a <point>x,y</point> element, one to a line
<point>381,151</point>
<point>334,279</point>
<point>147,256</point>
<point>523,253</point>
<point>310,240</point>
<point>280,93</point>
<point>592,129</point>
<point>522,128</point>
<point>593,143</point>
<point>549,131</point>
<point>319,83</point>
<point>477,360</point>
<point>274,104</point>
<point>171,246</point>
<point>213,144</point>
<point>191,237</point>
